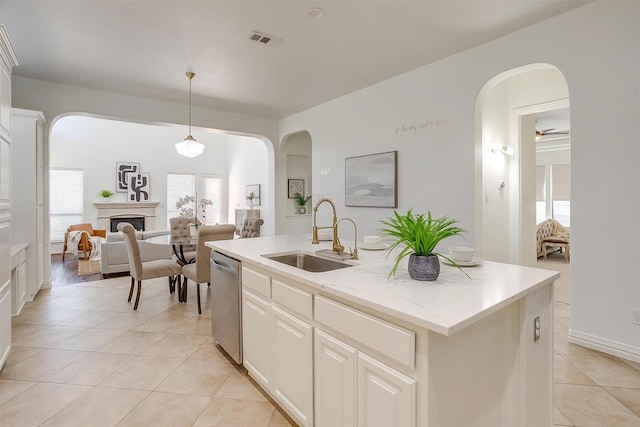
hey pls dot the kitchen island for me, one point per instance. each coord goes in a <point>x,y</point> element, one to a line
<point>352,347</point>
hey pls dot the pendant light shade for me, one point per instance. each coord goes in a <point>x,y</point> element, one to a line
<point>189,147</point>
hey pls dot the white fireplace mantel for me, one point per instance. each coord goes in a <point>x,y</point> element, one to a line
<point>106,211</point>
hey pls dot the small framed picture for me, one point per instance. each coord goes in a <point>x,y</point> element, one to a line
<point>296,186</point>
<point>253,194</point>
<point>122,170</point>
<point>139,190</point>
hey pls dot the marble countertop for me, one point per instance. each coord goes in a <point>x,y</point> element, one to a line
<point>445,305</point>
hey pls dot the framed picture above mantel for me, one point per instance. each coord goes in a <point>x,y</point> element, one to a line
<point>372,180</point>
<point>123,169</point>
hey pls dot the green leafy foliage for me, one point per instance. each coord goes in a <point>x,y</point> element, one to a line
<point>106,193</point>
<point>418,234</point>
<point>301,200</point>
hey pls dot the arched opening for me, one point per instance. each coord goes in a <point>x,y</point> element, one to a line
<point>297,152</point>
<point>94,146</point>
<point>506,196</point>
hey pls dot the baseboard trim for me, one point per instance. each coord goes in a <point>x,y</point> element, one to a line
<point>614,348</point>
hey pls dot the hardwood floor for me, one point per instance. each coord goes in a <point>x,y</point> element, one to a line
<point>65,273</point>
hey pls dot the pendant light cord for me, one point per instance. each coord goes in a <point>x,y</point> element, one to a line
<point>191,76</point>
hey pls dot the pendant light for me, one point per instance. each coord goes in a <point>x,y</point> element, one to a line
<point>189,147</point>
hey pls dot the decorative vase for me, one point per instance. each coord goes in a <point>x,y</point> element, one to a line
<point>302,210</point>
<point>193,231</point>
<point>424,267</point>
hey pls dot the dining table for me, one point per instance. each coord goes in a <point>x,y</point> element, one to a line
<point>178,244</point>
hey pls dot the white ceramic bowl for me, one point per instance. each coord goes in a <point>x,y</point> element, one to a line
<point>461,253</point>
<point>371,240</point>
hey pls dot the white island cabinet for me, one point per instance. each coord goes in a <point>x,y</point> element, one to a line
<point>350,347</point>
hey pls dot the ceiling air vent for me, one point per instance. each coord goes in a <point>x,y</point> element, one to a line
<point>265,39</point>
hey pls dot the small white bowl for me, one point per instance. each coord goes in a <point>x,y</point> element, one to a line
<point>461,253</point>
<point>372,240</point>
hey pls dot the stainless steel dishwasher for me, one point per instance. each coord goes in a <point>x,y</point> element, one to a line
<point>226,315</point>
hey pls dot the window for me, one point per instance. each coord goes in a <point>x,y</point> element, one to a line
<point>178,185</point>
<point>65,194</point>
<point>213,190</point>
<point>181,185</point>
<point>561,193</point>
<point>553,193</point>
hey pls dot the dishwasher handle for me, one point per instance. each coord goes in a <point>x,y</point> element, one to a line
<point>224,263</point>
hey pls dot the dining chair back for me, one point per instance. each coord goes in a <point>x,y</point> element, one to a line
<point>142,270</point>
<point>179,227</point>
<point>251,227</point>
<point>200,271</point>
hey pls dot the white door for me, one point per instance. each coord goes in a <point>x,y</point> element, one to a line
<point>293,366</point>
<point>335,382</point>
<point>386,398</point>
<point>256,337</point>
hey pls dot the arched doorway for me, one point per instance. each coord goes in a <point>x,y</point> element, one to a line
<point>506,159</point>
<point>297,152</point>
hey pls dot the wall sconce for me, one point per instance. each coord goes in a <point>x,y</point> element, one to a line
<point>495,148</point>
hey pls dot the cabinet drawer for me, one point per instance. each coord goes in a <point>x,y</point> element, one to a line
<point>257,282</point>
<point>292,298</point>
<point>397,343</point>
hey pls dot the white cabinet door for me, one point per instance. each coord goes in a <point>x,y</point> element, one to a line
<point>256,337</point>
<point>292,365</point>
<point>335,382</point>
<point>21,286</point>
<point>5,321</point>
<point>386,398</point>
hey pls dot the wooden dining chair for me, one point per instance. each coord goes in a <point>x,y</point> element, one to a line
<point>142,270</point>
<point>200,271</point>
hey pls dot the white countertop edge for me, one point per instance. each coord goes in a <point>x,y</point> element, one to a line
<point>444,327</point>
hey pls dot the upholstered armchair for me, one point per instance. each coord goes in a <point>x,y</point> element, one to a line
<point>200,271</point>
<point>251,227</point>
<point>84,245</point>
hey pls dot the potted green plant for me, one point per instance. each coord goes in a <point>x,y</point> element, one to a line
<point>301,201</point>
<point>420,236</point>
<point>105,194</point>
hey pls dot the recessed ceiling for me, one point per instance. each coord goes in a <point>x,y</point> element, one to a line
<point>145,47</point>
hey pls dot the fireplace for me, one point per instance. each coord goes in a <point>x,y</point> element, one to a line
<point>136,221</point>
<point>142,213</point>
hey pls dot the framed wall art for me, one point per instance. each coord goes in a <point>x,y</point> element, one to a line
<point>295,186</point>
<point>122,170</point>
<point>372,180</point>
<point>139,189</point>
<point>253,194</point>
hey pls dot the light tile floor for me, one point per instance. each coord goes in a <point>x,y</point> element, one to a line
<point>82,357</point>
<point>590,388</point>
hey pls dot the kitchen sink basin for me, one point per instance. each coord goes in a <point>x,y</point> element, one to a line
<point>307,262</point>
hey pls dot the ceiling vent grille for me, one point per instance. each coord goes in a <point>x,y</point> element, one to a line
<point>265,39</point>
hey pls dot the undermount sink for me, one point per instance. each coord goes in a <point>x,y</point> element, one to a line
<point>307,262</point>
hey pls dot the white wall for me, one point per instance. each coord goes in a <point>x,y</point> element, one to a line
<point>496,167</point>
<point>249,164</point>
<point>596,49</point>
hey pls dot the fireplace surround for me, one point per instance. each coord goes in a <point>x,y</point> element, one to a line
<point>145,210</point>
